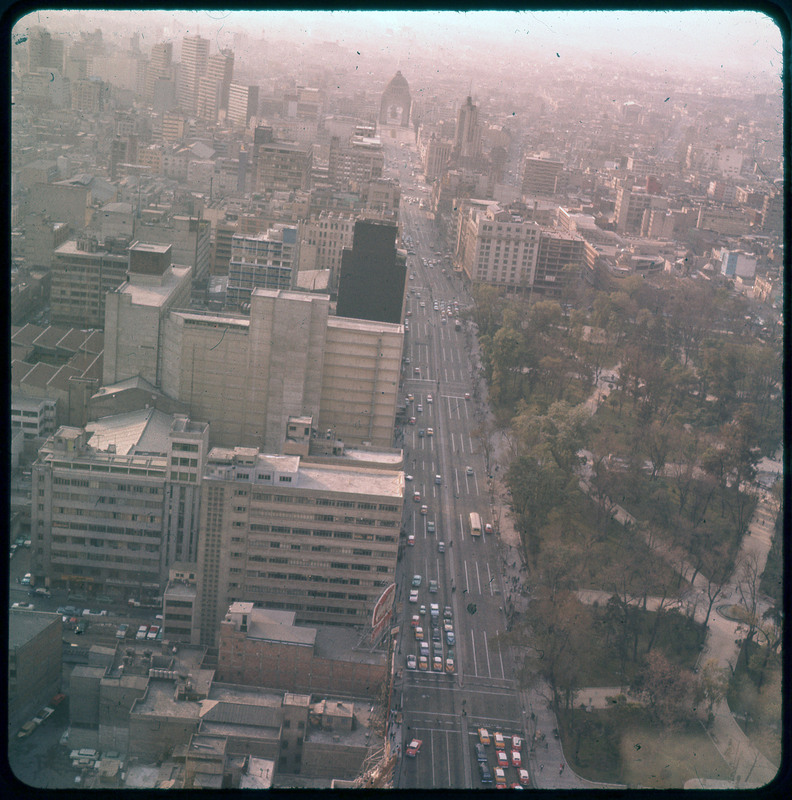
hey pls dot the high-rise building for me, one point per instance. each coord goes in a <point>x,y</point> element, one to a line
<point>631,203</point>
<point>540,176</point>
<point>83,272</point>
<point>213,91</point>
<point>44,52</point>
<point>267,261</point>
<point>194,61</point>
<point>262,542</point>
<point>282,166</point>
<point>373,274</point>
<point>159,67</point>
<point>352,165</point>
<point>467,137</point>
<point>247,374</point>
<point>242,104</point>
<point>117,503</point>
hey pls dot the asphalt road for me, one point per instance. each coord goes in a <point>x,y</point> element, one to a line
<point>445,711</point>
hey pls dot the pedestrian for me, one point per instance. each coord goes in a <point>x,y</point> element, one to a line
<point>541,766</point>
<point>560,769</point>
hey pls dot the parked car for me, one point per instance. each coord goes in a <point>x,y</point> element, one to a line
<point>94,613</point>
<point>500,743</point>
<point>450,665</point>
<point>26,730</point>
<point>503,759</point>
<point>516,759</point>
<point>484,736</point>
<point>26,580</point>
<point>26,606</point>
<point>487,527</point>
<point>141,632</point>
<point>486,775</point>
<point>525,779</point>
<point>40,592</point>
<point>152,632</point>
<point>481,753</point>
<point>121,632</point>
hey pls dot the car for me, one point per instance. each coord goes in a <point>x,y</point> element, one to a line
<point>419,408</point>
<point>448,625</point>
<point>57,699</point>
<point>484,736</point>
<point>412,274</point>
<point>516,759</point>
<point>416,497</point>
<point>450,638</point>
<point>430,431</point>
<point>433,587</point>
<point>421,433</point>
<point>27,729</point>
<point>441,547</point>
<point>447,612</point>
<point>422,610</point>
<point>410,397</point>
<point>94,613</point>
<point>412,662</point>
<point>429,398</point>
<point>423,663</point>
<point>524,778</point>
<point>439,480</point>
<point>153,631</point>
<point>45,713</point>
<point>415,621</point>
<point>484,772</point>
<point>467,395</point>
<point>25,606</point>
<point>449,665</point>
<point>419,633</point>
<point>500,743</point>
<point>412,420</point>
<point>487,527</point>
<point>40,592</point>
<point>500,776</point>
<point>121,632</point>
<point>516,743</point>
<point>408,478</point>
<point>414,596</point>
<point>502,758</point>
<point>481,753</point>
<point>414,747</point>
<point>437,664</point>
<point>424,510</point>
<point>468,470</point>
<point>13,549</point>
<point>423,648</point>
<point>411,539</point>
<point>417,371</point>
<point>408,313</point>
<point>72,611</point>
<point>141,632</point>
<point>416,581</point>
<point>430,526</point>
<point>27,579</point>
<point>435,634</point>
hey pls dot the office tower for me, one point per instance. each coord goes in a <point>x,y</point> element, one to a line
<point>282,166</point>
<point>247,374</point>
<point>194,60</point>
<point>372,279</point>
<point>220,69</point>
<point>261,540</point>
<point>117,503</point>
<point>83,272</point>
<point>44,52</point>
<point>242,104</point>
<point>135,312</point>
<point>467,137</point>
<point>540,176</point>
<point>159,67</point>
<point>266,260</point>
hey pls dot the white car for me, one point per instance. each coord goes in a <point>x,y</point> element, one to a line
<point>414,596</point>
<point>412,662</point>
<point>468,470</point>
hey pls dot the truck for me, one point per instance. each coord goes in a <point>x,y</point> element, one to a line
<point>475,524</point>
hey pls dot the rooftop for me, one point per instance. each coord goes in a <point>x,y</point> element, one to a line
<point>24,625</point>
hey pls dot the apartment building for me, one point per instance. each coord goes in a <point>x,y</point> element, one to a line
<point>319,539</point>
<point>356,163</point>
<point>282,166</point>
<point>115,503</point>
<point>540,176</point>
<point>194,60</point>
<point>267,261</point>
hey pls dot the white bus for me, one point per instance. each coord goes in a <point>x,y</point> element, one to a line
<point>475,524</point>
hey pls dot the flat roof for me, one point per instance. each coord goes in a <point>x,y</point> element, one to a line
<point>155,294</point>
<point>351,480</point>
<point>24,625</point>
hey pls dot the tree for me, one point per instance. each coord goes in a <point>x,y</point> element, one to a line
<point>668,691</point>
<point>712,685</point>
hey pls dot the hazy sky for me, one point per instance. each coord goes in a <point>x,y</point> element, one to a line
<point>742,40</point>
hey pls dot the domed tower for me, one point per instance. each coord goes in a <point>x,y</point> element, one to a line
<point>396,102</point>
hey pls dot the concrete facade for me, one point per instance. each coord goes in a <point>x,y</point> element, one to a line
<point>117,503</point>
<point>259,647</point>
<point>262,542</point>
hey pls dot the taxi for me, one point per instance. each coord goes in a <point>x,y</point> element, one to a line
<point>500,743</point>
<point>484,736</point>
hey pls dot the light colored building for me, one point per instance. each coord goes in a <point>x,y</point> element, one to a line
<point>242,104</point>
<point>319,539</point>
<point>282,166</point>
<point>267,261</point>
<point>436,157</point>
<point>631,204</point>
<point>327,235</point>
<point>159,68</point>
<point>135,313</point>
<point>194,60</point>
<point>540,176</point>
<point>189,236</point>
<point>737,264</point>
<point>83,272</point>
<point>357,163</point>
<point>116,503</point>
